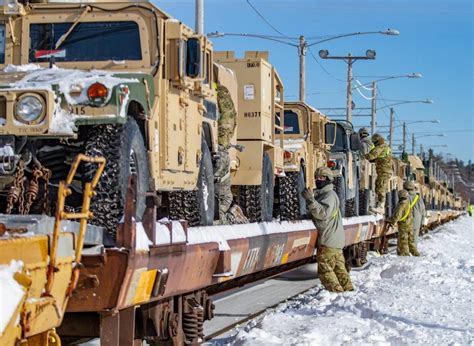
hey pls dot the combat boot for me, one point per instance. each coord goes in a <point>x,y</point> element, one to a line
<point>378,209</point>
<point>238,215</point>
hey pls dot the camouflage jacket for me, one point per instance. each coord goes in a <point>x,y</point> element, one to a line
<point>366,145</point>
<point>418,209</point>
<point>227,116</point>
<point>327,218</point>
<point>382,156</point>
<point>402,215</point>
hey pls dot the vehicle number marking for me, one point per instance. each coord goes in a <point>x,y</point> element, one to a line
<point>79,110</point>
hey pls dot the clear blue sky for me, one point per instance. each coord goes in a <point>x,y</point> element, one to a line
<point>436,39</point>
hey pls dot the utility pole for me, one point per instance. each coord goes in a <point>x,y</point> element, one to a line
<point>302,56</point>
<point>392,113</point>
<point>349,60</point>
<point>373,123</point>
<point>349,88</point>
<point>404,145</point>
<point>413,144</point>
<point>199,17</point>
<point>421,150</point>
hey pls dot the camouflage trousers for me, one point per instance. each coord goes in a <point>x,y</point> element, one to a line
<point>381,188</point>
<point>228,213</point>
<point>406,241</point>
<point>332,270</point>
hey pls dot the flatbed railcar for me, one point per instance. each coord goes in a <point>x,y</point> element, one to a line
<point>161,293</point>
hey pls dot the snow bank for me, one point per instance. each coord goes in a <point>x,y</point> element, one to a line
<point>10,291</point>
<point>398,301</point>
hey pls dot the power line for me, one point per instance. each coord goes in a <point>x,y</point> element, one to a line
<point>268,22</point>
<point>323,68</point>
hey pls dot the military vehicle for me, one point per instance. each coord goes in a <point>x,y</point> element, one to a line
<point>307,145</point>
<point>70,85</point>
<point>260,97</point>
<point>368,176</point>
<point>345,159</point>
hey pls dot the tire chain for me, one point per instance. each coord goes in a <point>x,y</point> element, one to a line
<point>16,191</point>
<point>25,199</point>
<point>107,203</point>
<point>183,205</point>
<point>289,203</point>
<point>250,201</point>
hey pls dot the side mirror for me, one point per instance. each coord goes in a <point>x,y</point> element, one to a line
<point>193,58</point>
<point>355,141</point>
<point>330,133</point>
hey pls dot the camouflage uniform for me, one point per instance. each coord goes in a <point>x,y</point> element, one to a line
<point>382,156</point>
<point>228,213</point>
<point>403,217</point>
<point>366,144</point>
<point>325,213</point>
<point>418,208</point>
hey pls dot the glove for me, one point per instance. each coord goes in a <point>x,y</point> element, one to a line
<point>308,194</point>
<point>425,221</point>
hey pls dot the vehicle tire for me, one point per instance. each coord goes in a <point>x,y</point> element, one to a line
<point>394,199</point>
<point>198,206</point>
<point>364,202</point>
<point>352,205</point>
<point>292,202</point>
<point>340,188</point>
<point>124,149</point>
<point>256,201</point>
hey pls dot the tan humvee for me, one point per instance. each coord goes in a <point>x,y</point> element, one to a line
<point>143,102</point>
<point>307,146</point>
<point>260,98</point>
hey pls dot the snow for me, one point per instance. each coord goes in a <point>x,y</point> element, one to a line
<point>361,219</point>
<point>10,291</point>
<point>293,144</point>
<point>163,235</point>
<point>62,120</point>
<point>21,68</point>
<point>142,242</point>
<point>223,233</point>
<point>72,84</point>
<point>397,301</point>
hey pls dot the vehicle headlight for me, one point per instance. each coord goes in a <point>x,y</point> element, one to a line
<point>29,109</point>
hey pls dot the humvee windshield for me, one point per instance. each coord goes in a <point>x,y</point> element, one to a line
<point>2,43</point>
<point>90,41</point>
<point>341,139</point>
<point>292,125</point>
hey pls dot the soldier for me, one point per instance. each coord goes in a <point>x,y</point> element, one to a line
<point>327,218</point>
<point>403,217</point>
<point>228,212</point>
<point>366,144</point>
<point>382,156</point>
<point>418,208</point>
